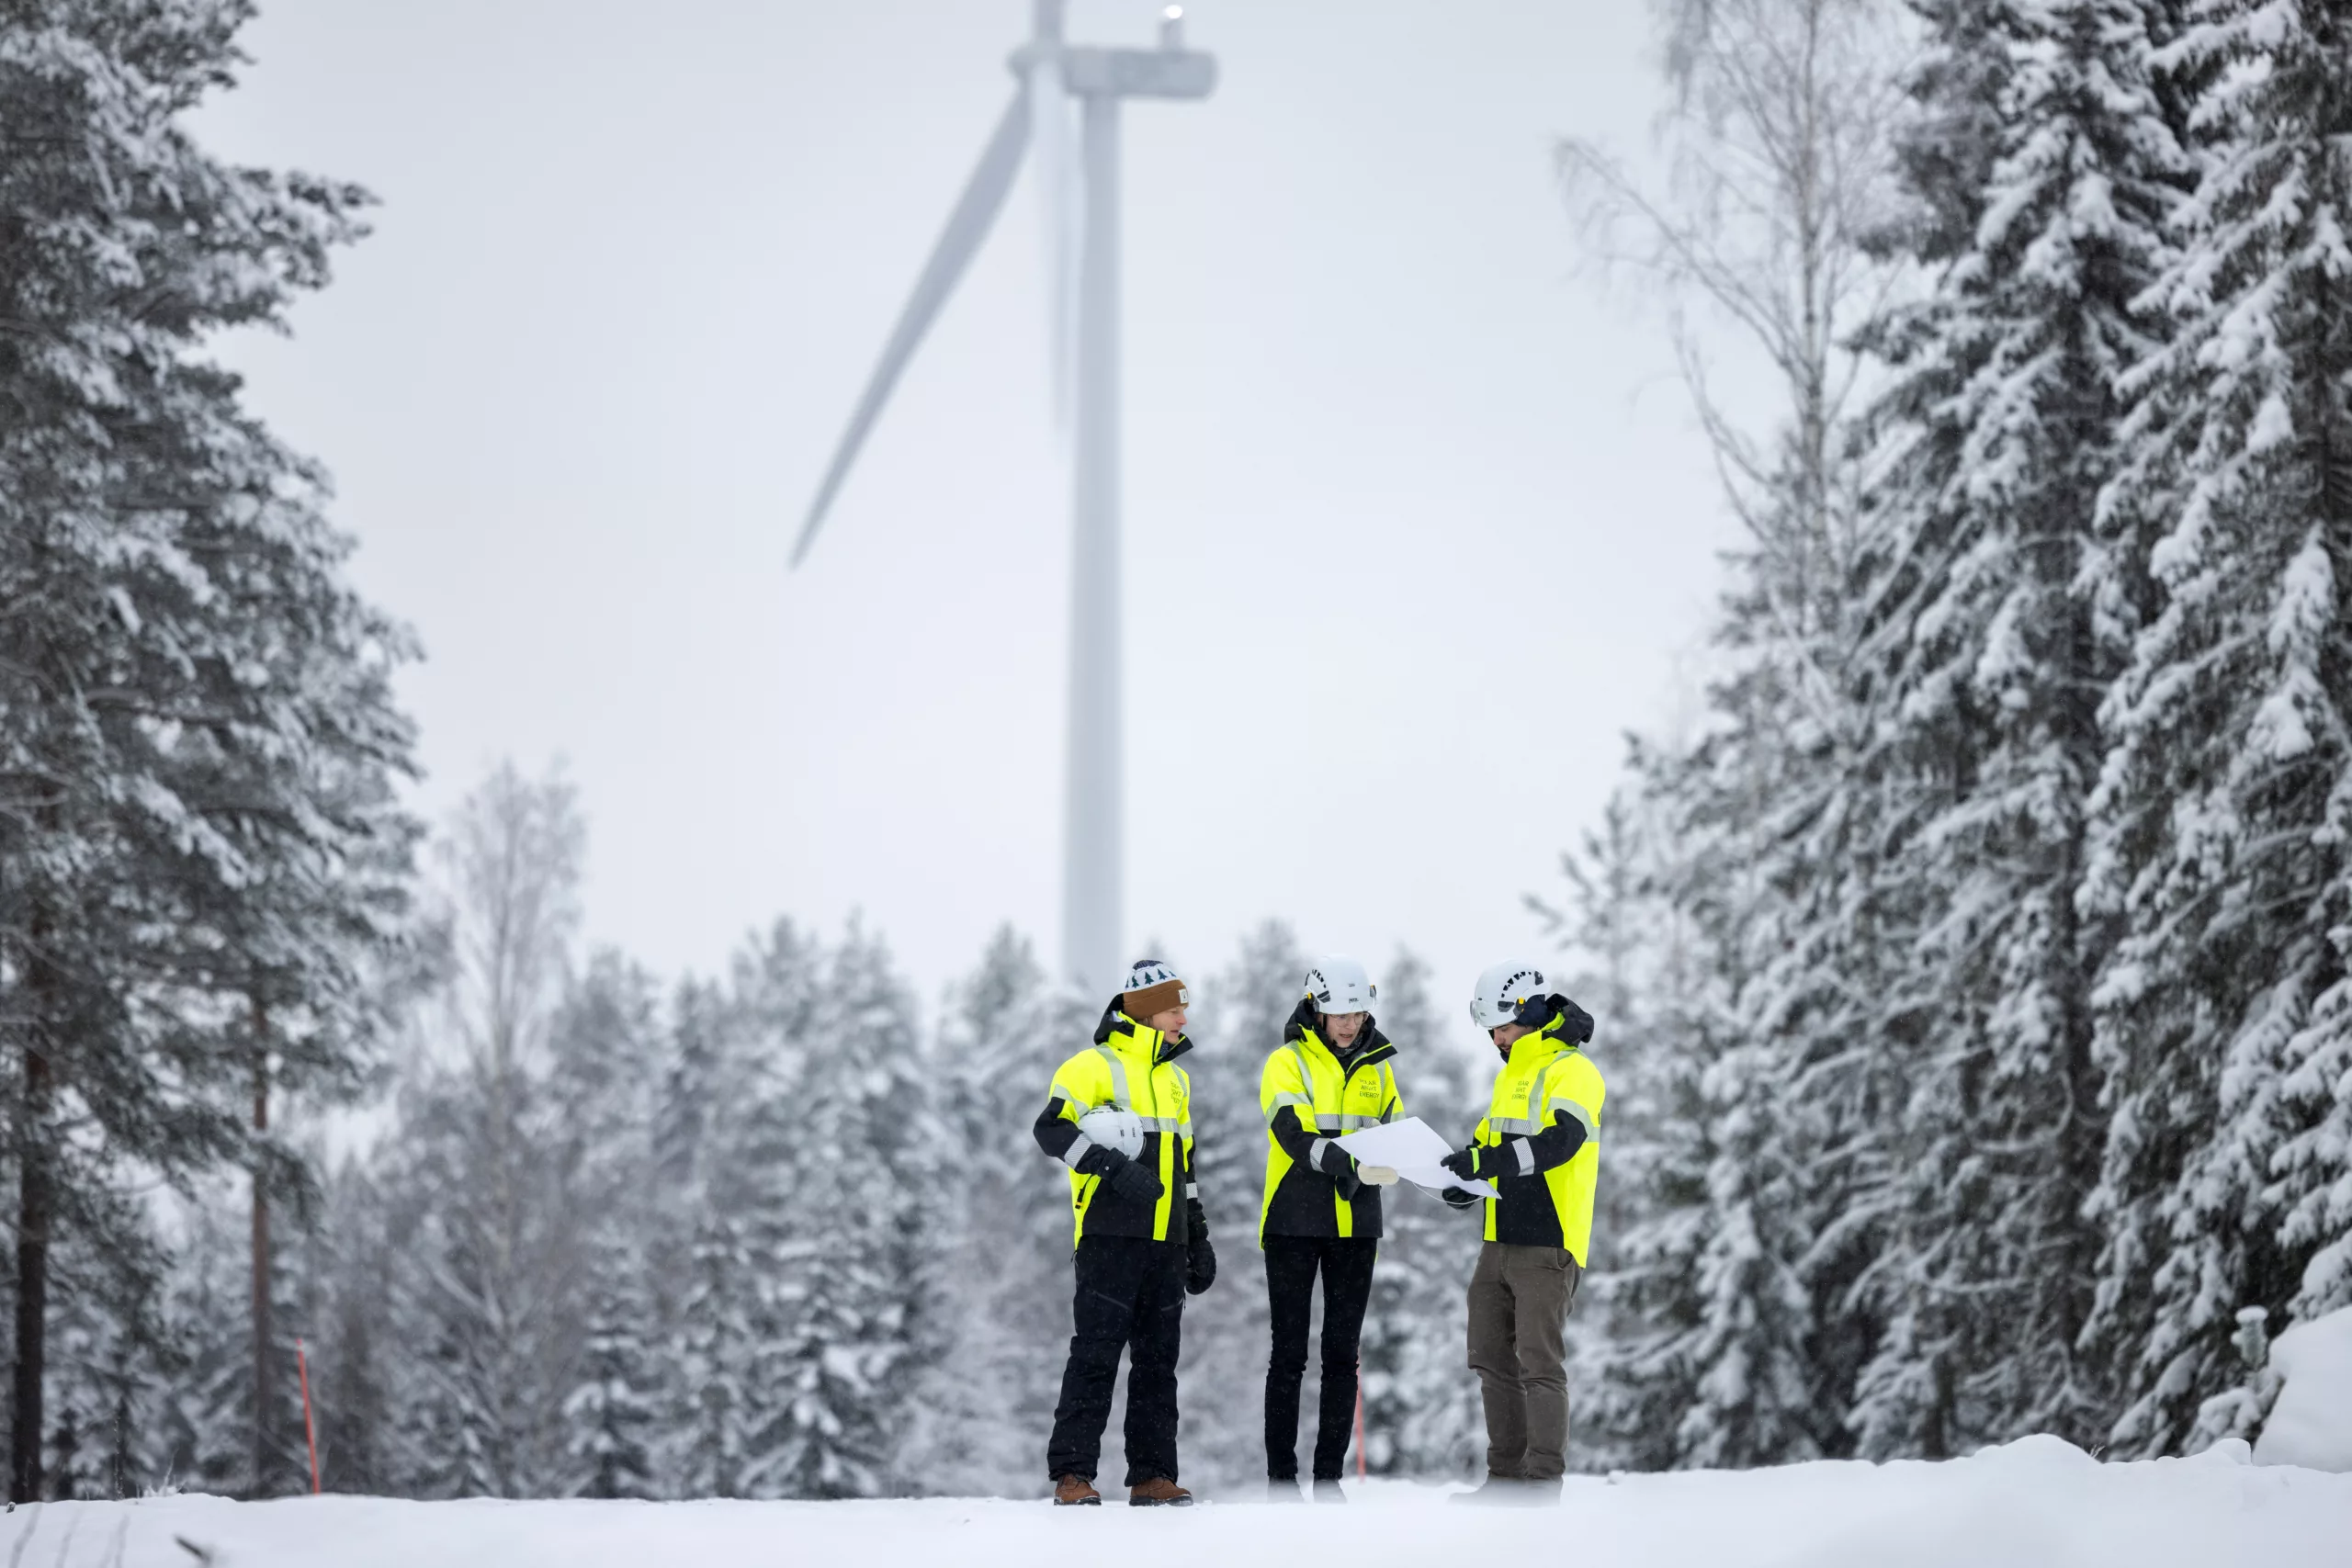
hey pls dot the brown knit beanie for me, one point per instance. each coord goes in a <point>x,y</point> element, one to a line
<point>1152,988</point>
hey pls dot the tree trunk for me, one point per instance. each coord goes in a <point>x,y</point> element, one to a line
<point>34,1209</point>
<point>265,1404</point>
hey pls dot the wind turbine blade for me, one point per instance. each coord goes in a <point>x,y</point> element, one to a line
<point>967,227</point>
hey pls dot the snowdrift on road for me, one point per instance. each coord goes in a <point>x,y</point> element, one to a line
<point>2310,1425</point>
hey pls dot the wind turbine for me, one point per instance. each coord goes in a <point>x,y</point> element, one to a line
<point>1050,71</point>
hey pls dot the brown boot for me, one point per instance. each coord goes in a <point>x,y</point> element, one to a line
<point>1158,1493</point>
<point>1073,1490</point>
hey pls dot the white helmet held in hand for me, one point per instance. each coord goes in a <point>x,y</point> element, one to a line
<point>1339,984</point>
<point>1114,1129</point>
<point>1504,992</point>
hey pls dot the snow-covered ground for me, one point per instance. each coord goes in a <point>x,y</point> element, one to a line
<point>2033,1503</point>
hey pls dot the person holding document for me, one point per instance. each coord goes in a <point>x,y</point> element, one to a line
<point>1332,1074</point>
<point>1539,1146</point>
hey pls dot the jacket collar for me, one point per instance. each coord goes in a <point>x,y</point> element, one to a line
<point>1542,1046</point>
<point>1371,1046</point>
<point>1162,1047</point>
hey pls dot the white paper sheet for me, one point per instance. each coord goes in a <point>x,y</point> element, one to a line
<point>1412,1149</point>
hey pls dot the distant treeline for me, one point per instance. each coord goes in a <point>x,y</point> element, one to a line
<point>762,1236</point>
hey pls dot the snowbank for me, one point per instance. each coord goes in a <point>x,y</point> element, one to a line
<point>2312,1423</point>
<point>2038,1504</point>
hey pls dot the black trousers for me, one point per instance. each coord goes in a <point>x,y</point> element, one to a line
<point>1291,1265</point>
<point>1130,1292</point>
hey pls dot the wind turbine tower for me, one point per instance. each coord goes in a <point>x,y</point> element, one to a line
<point>1084,342</point>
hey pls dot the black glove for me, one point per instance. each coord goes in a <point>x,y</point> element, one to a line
<point>1456,1197</point>
<point>1335,1162</point>
<point>1483,1162</point>
<point>1132,1182</point>
<point>1200,1264</point>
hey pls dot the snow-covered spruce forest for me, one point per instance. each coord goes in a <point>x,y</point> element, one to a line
<point>1971,963</point>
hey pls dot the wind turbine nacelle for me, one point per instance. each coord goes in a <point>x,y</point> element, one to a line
<point>1138,72</point>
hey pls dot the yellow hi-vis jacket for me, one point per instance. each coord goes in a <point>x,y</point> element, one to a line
<point>1310,1095</point>
<point>1131,1067</point>
<point>1546,1103</point>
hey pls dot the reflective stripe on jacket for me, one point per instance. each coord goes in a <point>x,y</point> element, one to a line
<point>1310,1095</point>
<point>1130,1067</point>
<point>1546,1101</point>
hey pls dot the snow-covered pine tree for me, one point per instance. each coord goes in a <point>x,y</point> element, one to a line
<point>603,1077</point>
<point>207,1418</point>
<point>1780,139</point>
<point>2222,840</point>
<point>1003,1272</point>
<point>711,1413</point>
<point>477,1216</point>
<point>197,724</point>
<point>115,1358</point>
<point>606,1061</point>
<point>729,1133</point>
<point>1760,1205</point>
<point>859,1165</point>
<point>1421,1410</point>
<point>357,1353</point>
<point>735,1328</point>
<point>1758,1390</point>
<point>690,1255</point>
<point>609,1414</point>
<point>2043,170</point>
<point>877,1029</point>
<point>307,934</point>
<point>1227,1332</point>
<point>1653,985</point>
<point>462,1228</point>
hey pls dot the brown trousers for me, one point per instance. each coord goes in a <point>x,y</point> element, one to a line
<point>1520,1298</point>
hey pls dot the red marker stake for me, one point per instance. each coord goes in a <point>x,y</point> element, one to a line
<point>311,1430</point>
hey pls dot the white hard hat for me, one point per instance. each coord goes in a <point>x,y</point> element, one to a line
<point>1338,983</point>
<point>1114,1129</point>
<point>1505,989</point>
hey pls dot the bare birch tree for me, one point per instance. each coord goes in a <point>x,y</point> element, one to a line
<point>491,1256</point>
<point>1780,173</point>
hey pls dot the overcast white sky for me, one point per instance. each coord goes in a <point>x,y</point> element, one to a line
<point>1417,521</point>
